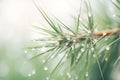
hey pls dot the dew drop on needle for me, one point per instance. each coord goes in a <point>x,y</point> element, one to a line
<point>76,77</point>
<point>47,78</point>
<point>89,14</point>
<point>82,50</point>
<point>33,49</point>
<point>107,48</point>
<point>43,49</point>
<point>83,45</point>
<point>25,52</point>
<point>33,72</point>
<point>92,49</point>
<point>45,68</point>
<point>106,59</point>
<point>52,56</point>
<point>69,75</point>
<point>86,74</point>
<point>29,75</point>
<point>114,15</point>
<point>104,34</point>
<point>43,61</point>
<point>94,55</point>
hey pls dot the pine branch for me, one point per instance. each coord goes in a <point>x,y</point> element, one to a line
<point>76,47</point>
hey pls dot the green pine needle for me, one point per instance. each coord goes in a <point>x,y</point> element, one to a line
<point>79,56</point>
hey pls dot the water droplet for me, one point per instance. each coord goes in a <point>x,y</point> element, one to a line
<point>29,74</point>
<point>95,41</point>
<point>43,49</point>
<point>74,41</point>
<point>52,56</point>
<point>107,48</point>
<point>92,49</point>
<point>68,38</point>
<point>106,39</point>
<point>47,78</point>
<point>82,49</point>
<point>66,55</point>
<point>114,15</point>
<point>43,61</point>
<point>94,55</point>
<point>106,59</point>
<point>83,45</point>
<point>95,30</point>
<point>89,32</point>
<point>86,74</point>
<point>81,19</point>
<point>69,75</point>
<point>104,34</point>
<point>45,68</point>
<point>33,49</point>
<point>25,51</point>
<point>76,77</point>
<point>33,72</point>
<point>76,60</point>
<point>78,56</point>
<point>89,14</point>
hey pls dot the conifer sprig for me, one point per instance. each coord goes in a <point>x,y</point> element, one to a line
<point>79,52</point>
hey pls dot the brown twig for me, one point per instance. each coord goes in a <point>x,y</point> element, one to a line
<point>102,33</point>
<point>108,32</point>
<point>97,34</point>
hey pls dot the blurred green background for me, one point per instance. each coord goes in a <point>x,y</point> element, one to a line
<point>16,33</point>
